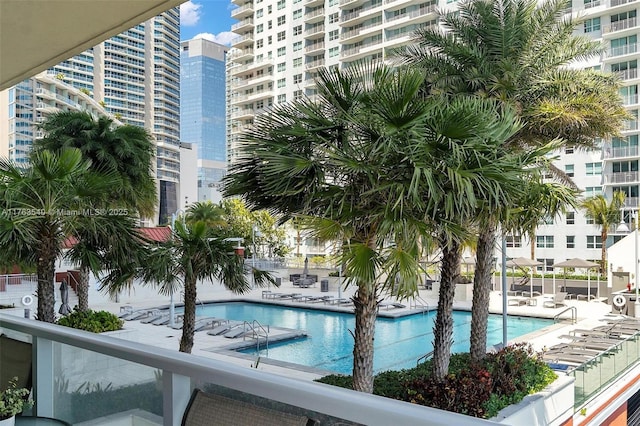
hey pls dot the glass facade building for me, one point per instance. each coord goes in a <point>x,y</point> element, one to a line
<point>203,109</point>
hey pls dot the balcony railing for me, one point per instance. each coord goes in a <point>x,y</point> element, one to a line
<point>623,50</point>
<point>620,25</point>
<point>620,177</point>
<point>84,377</point>
<point>599,372</point>
<point>620,152</point>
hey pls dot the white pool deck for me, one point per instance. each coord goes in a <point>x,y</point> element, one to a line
<point>590,314</point>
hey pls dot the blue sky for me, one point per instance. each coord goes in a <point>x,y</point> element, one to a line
<point>209,19</point>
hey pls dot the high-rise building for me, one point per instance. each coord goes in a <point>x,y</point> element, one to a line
<point>282,43</point>
<point>203,111</point>
<point>135,77</point>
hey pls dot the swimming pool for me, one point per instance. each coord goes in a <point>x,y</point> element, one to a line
<point>398,342</point>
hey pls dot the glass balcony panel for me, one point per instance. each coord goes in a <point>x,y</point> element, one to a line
<point>90,386</point>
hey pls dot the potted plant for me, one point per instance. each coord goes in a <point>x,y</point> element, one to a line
<point>12,401</point>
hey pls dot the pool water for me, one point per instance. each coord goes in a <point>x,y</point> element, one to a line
<point>398,344</point>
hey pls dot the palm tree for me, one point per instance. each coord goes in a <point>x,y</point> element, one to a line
<point>197,251</point>
<point>516,51</point>
<point>382,166</point>
<point>47,203</point>
<point>127,150</point>
<point>605,214</point>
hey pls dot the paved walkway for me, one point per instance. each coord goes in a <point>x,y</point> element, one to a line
<point>589,314</point>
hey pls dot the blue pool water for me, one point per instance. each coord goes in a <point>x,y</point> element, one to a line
<point>398,342</point>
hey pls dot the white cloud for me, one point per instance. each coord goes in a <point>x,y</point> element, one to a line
<point>189,13</point>
<point>224,37</point>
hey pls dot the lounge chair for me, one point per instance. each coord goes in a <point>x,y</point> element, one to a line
<point>557,301</point>
<point>153,315</point>
<point>239,331</point>
<point>136,315</point>
<point>222,328</point>
<point>315,299</point>
<point>336,301</point>
<point>517,301</point>
<point>214,410</point>
<point>203,323</point>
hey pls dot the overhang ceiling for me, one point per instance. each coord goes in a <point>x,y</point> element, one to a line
<point>37,34</point>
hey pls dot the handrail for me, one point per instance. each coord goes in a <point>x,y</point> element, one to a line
<point>255,324</point>
<point>574,314</point>
<point>423,303</point>
<point>425,356</point>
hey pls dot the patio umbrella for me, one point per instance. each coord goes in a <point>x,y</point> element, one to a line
<point>522,262</point>
<point>64,296</point>
<point>576,263</point>
<point>305,270</point>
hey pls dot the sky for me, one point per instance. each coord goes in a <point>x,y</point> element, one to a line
<point>209,19</point>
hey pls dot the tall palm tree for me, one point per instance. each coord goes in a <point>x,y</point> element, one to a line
<point>605,214</point>
<point>45,204</point>
<point>127,150</point>
<point>516,51</point>
<point>383,166</point>
<point>197,251</point>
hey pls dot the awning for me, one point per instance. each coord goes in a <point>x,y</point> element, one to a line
<point>37,34</point>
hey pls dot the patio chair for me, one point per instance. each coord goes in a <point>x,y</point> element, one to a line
<point>557,301</point>
<point>207,409</point>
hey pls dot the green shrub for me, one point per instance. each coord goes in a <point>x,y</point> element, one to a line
<point>503,378</point>
<point>94,321</point>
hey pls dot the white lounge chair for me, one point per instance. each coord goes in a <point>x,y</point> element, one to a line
<point>557,301</point>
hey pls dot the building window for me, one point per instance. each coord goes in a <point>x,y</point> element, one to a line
<point>334,51</point>
<point>590,221</point>
<point>594,242</point>
<point>544,241</point>
<point>333,2</point>
<point>568,149</point>
<point>297,94</point>
<point>547,265</point>
<point>282,20</point>
<point>297,79</point>
<point>297,46</point>
<point>282,82</point>
<point>281,67</point>
<point>269,40</point>
<point>571,241</point>
<point>569,170</point>
<point>282,35</point>
<point>259,13</point>
<point>592,191</point>
<point>282,51</point>
<point>269,8</point>
<point>297,14</point>
<point>594,169</point>
<point>297,62</point>
<point>281,4</point>
<point>514,241</point>
<point>571,218</point>
<point>259,28</point>
<point>282,98</point>
<point>334,17</point>
<point>259,43</point>
<point>259,104</point>
<point>591,25</point>
<point>297,30</point>
<point>334,35</point>
<point>269,24</point>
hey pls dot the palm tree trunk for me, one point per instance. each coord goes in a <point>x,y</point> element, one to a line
<point>45,268</point>
<point>603,255</point>
<point>83,289</point>
<point>532,240</point>
<point>481,292</point>
<point>443,329</point>
<point>189,318</point>
<point>366,308</point>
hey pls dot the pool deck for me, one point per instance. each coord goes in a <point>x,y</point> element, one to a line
<point>589,314</point>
